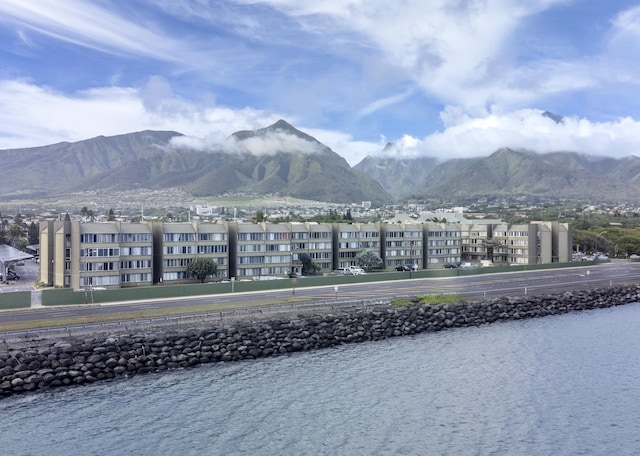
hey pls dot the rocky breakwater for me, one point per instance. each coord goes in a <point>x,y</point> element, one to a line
<point>78,361</point>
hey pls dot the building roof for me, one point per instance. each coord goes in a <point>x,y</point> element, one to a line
<point>8,253</point>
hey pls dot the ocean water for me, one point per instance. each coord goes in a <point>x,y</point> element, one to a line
<point>563,385</point>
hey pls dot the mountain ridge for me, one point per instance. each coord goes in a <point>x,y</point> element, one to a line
<point>280,159</point>
<point>276,159</point>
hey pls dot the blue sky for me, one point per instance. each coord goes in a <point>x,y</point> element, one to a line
<point>445,78</point>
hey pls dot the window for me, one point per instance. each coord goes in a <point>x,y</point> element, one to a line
<point>135,264</point>
<point>135,237</point>
<point>176,262</point>
<point>278,236</point>
<point>179,237</point>
<point>174,275</point>
<point>104,238</point>
<point>212,236</point>
<point>99,252</point>
<point>251,260</point>
<point>179,250</point>
<point>137,251</point>
<point>251,248</point>
<point>106,266</point>
<point>278,248</point>
<point>203,249</point>
<point>132,278</point>
<point>250,236</point>
<point>99,280</point>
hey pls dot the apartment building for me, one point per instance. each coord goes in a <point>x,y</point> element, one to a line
<point>444,241</point>
<point>114,254</point>
<point>517,244</point>
<point>176,244</point>
<point>321,244</point>
<point>403,245</point>
<point>80,255</point>
<point>350,239</point>
<point>248,248</point>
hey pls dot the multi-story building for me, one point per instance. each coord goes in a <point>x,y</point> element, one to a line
<point>278,259</point>
<point>559,236</point>
<point>321,244</point>
<point>514,244</point>
<point>114,254</point>
<point>443,244</point>
<point>175,246</point>
<point>213,242</point>
<point>136,254</point>
<point>402,245</point>
<point>350,239</point>
<point>80,255</point>
<point>473,240</point>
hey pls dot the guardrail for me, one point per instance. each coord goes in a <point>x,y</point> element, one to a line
<point>178,320</point>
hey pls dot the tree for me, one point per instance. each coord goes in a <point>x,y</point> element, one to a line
<point>88,214</point>
<point>368,260</point>
<point>201,268</point>
<point>4,231</point>
<point>490,245</point>
<point>260,217</point>
<point>111,216</point>
<point>33,235</point>
<point>17,232</point>
<point>308,266</point>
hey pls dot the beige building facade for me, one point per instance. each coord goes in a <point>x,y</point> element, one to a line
<point>81,255</point>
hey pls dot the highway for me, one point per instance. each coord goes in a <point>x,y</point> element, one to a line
<point>471,286</point>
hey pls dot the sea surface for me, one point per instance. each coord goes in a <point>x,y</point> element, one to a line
<point>564,385</point>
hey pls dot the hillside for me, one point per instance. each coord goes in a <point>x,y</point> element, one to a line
<point>509,172</point>
<point>277,159</point>
<point>400,177</point>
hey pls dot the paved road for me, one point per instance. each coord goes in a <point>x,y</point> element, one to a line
<point>482,285</point>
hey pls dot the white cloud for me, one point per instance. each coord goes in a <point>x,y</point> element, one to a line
<point>461,53</point>
<point>267,144</point>
<point>468,136</point>
<point>31,115</point>
<point>383,103</point>
<point>88,25</point>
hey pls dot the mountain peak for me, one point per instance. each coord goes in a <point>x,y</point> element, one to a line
<point>281,126</point>
<point>555,117</point>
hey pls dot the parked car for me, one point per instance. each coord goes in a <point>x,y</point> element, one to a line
<point>403,268</point>
<point>450,266</point>
<point>12,275</point>
<point>354,270</point>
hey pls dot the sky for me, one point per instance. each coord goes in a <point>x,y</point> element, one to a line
<point>439,78</point>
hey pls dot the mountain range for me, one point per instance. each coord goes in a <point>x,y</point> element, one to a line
<point>510,173</point>
<point>277,159</point>
<point>281,159</point>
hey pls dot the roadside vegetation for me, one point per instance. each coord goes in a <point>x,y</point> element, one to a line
<point>427,299</point>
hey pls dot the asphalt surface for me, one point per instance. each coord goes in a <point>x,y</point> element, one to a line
<point>28,275</point>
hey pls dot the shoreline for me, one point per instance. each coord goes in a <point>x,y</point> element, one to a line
<point>40,365</point>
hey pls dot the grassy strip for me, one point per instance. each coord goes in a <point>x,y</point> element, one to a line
<point>439,299</point>
<point>427,299</point>
<point>138,315</point>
